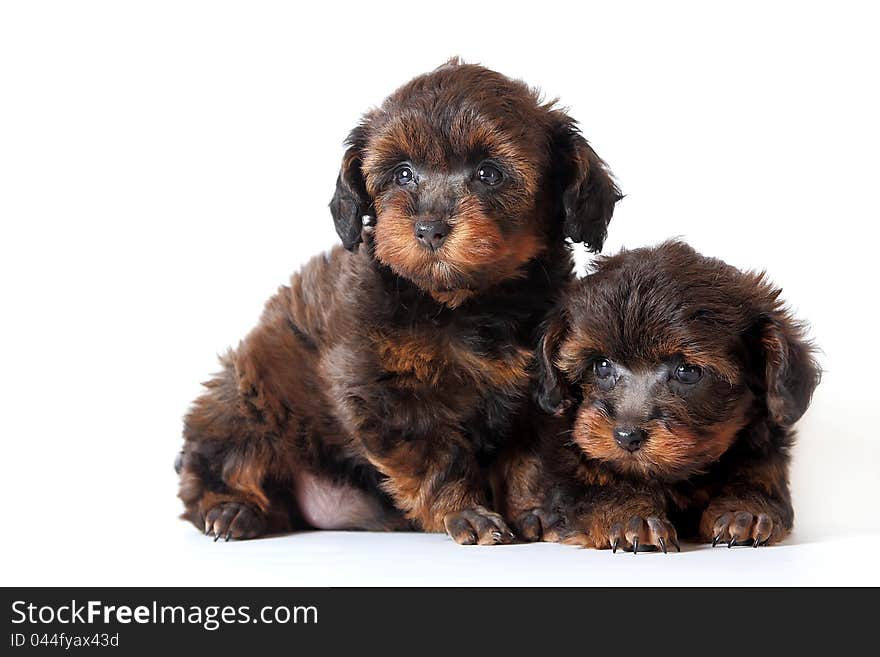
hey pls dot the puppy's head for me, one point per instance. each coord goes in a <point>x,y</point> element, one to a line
<point>462,176</point>
<point>663,356</point>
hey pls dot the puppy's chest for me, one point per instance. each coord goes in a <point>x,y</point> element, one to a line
<point>435,359</point>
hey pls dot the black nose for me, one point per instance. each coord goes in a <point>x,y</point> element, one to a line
<point>630,438</point>
<point>432,233</point>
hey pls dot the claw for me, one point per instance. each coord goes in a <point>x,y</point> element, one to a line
<point>677,546</point>
<point>614,545</point>
<point>635,546</point>
<point>731,542</point>
<point>228,536</point>
<point>715,540</point>
<point>756,543</point>
<point>216,536</point>
<point>662,545</point>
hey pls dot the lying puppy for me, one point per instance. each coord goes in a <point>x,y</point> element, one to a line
<point>677,379</point>
<point>380,384</point>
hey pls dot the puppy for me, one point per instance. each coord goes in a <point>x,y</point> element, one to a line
<point>381,384</point>
<point>676,380</point>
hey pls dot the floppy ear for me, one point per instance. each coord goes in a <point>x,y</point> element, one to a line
<point>588,191</point>
<point>351,203</point>
<point>551,390</point>
<point>790,368</point>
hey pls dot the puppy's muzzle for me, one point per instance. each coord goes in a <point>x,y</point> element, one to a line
<point>432,234</point>
<point>630,438</point>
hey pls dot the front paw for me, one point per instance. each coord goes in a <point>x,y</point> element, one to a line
<point>538,525</point>
<point>638,534</point>
<point>736,526</point>
<point>233,520</point>
<point>478,526</point>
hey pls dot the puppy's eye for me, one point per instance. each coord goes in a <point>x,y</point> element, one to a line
<point>489,174</point>
<point>603,368</point>
<point>688,374</point>
<point>403,175</point>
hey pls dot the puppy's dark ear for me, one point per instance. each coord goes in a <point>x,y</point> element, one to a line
<point>790,369</point>
<point>586,187</point>
<point>551,390</point>
<point>351,202</point>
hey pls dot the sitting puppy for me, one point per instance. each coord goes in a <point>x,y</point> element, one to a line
<point>676,380</point>
<point>379,385</point>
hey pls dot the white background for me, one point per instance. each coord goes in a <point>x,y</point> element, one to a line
<point>164,166</point>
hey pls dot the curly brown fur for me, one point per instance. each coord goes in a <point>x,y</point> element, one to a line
<point>675,381</point>
<point>380,386</point>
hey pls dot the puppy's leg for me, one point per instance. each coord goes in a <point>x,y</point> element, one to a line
<point>438,484</point>
<point>754,508</point>
<point>521,492</point>
<point>225,464</point>
<point>618,517</point>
